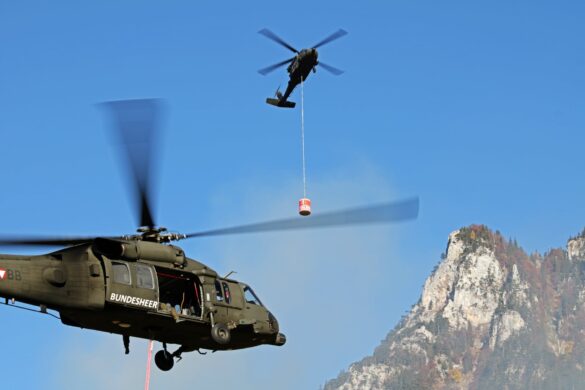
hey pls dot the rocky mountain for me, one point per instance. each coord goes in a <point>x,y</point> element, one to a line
<point>490,317</point>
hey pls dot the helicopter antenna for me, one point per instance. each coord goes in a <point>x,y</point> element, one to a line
<point>229,273</point>
<point>42,308</point>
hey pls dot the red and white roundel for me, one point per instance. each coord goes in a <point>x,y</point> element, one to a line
<point>2,273</point>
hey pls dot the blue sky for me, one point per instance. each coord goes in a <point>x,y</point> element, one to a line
<point>477,109</point>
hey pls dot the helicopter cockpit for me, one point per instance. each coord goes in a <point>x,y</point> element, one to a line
<point>250,296</point>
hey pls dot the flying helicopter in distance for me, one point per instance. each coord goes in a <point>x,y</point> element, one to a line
<point>300,66</point>
<point>140,285</point>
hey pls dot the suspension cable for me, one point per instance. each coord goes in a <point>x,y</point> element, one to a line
<point>303,136</point>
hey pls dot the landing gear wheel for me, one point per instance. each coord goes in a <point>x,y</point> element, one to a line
<point>164,360</point>
<point>220,334</point>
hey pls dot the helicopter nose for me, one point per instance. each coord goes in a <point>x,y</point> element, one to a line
<point>280,340</point>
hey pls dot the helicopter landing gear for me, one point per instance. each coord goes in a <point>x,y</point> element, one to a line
<point>220,334</point>
<point>164,359</point>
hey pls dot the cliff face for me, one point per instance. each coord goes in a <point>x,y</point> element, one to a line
<point>489,317</point>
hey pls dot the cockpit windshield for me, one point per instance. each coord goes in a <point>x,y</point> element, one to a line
<point>251,297</point>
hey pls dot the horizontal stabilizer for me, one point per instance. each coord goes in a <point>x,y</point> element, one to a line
<point>280,103</point>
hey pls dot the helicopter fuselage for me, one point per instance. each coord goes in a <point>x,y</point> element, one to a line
<point>300,69</point>
<point>140,289</point>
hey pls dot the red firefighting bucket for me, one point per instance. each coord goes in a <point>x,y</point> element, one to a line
<point>305,207</point>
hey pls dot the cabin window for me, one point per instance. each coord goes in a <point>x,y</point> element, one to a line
<point>250,297</point>
<point>144,278</point>
<point>218,292</point>
<point>226,292</point>
<point>121,272</point>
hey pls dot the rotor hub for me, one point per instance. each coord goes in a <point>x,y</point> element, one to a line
<point>156,234</point>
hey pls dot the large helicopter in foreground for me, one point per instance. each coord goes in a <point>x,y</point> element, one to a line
<point>300,66</point>
<point>140,285</point>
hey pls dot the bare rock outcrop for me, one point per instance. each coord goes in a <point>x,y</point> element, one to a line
<point>489,317</point>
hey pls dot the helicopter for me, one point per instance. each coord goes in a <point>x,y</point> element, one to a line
<point>300,66</point>
<point>140,285</point>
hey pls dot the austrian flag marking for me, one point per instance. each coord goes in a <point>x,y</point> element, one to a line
<point>2,273</point>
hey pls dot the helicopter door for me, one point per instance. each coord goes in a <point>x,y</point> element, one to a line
<point>132,284</point>
<point>228,299</point>
<point>180,294</point>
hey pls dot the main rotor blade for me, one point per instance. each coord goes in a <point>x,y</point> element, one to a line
<point>271,68</point>
<point>330,68</point>
<point>136,122</point>
<point>381,213</point>
<point>43,241</point>
<point>270,35</point>
<point>336,35</point>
